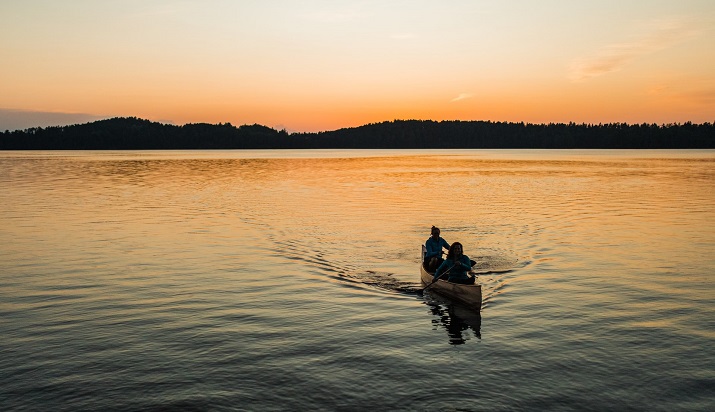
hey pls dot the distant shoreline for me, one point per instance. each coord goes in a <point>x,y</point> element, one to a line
<point>131,133</point>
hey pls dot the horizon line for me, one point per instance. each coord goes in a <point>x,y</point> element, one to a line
<point>278,128</point>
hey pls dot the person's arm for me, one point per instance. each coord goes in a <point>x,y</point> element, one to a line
<point>443,244</point>
<point>440,270</point>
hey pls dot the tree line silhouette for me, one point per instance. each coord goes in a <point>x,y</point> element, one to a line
<point>131,133</point>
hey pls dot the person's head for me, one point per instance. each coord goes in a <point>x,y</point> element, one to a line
<point>435,232</point>
<point>455,251</point>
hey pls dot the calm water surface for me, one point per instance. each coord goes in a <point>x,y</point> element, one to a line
<point>288,280</point>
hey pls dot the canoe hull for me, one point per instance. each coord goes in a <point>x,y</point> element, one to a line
<point>467,294</point>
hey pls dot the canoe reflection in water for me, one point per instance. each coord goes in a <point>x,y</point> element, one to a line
<point>457,321</point>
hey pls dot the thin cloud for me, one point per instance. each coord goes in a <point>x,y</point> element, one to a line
<point>462,96</point>
<point>614,57</point>
<point>14,119</point>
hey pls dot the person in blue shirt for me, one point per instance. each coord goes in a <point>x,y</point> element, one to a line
<point>433,247</point>
<point>456,266</point>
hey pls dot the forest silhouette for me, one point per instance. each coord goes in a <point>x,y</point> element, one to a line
<point>131,133</point>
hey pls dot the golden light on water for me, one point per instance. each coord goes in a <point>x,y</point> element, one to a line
<point>164,277</point>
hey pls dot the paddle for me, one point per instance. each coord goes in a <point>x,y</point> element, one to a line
<point>438,278</point>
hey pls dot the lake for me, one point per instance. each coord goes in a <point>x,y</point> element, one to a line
<point>289,280</point>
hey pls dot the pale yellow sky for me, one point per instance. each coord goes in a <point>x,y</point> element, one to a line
<point>320,65</point>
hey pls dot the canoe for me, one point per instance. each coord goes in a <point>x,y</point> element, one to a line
<point>470,295</point>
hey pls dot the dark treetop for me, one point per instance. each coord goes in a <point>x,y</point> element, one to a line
<point>132,133</point>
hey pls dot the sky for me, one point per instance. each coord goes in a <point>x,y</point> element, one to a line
<point>317,65</point>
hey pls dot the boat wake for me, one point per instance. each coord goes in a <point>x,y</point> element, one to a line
<point>390,282</point>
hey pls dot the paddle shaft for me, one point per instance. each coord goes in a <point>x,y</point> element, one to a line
<point>439,277</point>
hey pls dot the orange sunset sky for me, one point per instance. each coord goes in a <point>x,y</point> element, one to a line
<point>310,65</point>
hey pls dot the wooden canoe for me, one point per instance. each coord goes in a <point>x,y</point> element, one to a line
<point>470,295</point>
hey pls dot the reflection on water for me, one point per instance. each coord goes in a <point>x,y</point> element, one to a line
<point>141,281</point>
<point>458,321</point>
